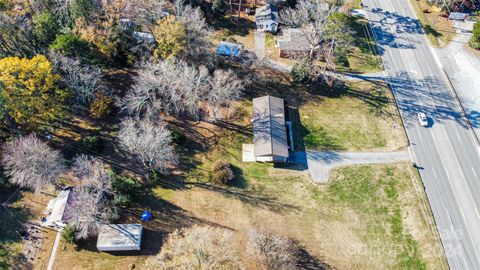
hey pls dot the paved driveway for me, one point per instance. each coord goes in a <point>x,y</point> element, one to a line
<point>320,163</point>
<point>260,45</point>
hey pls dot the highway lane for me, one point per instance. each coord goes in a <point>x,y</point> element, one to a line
<point>446,151</point>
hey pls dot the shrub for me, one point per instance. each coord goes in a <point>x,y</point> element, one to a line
<point>69,235</point>
<point>4,5</point>
<point>301,71</point>
<point>178,137</point>
<point>72,46</point>
<point>102,106</point>
<point>124,184</point>
<point>125,188</point>
<point>222,173</point>
<point>122,199</point>
<point>81,8</point>
<point>475,39</point>
<point>271,250</point>
<point>218,8</point>
<point>93,143</point>
<point>45,27</point>
<point>292,3</point>
<point>198,248</point>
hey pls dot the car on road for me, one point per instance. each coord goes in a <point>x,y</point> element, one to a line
<point>422,118</point>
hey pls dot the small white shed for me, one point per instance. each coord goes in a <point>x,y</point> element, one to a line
<point>119,237</point>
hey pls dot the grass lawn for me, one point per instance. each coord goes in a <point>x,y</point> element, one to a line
<point>363,56</point>
<point>440,33</point>
<point>377,214</point>
<point>235,30</point>
<point>364,117</point>
<point>10,241</point>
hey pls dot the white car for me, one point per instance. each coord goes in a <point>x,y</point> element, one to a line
<point>422,118</point>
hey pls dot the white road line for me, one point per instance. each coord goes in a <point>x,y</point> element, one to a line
<point>474,173</point>
<point>468,231</point>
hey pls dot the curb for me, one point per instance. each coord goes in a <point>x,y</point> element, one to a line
<point>462,109</point>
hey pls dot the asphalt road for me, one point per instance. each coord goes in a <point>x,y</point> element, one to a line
<point>445,151</point>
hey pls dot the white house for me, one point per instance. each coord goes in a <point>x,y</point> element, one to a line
<point>266,18</point>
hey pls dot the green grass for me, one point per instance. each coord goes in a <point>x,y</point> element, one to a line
<point>269,41</point>
<point>10,241</point>
<point>373,193</point>
<point>361,118</point>
<point>363,56</point>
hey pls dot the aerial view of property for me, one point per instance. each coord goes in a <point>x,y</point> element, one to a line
<point>239,134</point>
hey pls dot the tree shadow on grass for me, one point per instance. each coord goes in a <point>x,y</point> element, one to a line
<point>429,30</point>
<point>308,262</point>
<point>11,230</point>
<point>233,26</point>
<point>166,218</point>
<point>239,181</point>
<point>261,201</point>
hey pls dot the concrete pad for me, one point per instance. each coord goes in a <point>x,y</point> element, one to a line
<point>320,163</point>
<point>247,153</point>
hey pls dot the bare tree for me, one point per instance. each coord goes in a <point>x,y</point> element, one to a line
<point>150,142</point>
<point>16,38</point>
<point>31,163</point>
<point>90,209</point>
<point>82,79</point>
<point>202,248</point>
<point>172,87</point>
<point>311,18</point>
<point>91,171</point>
<point>197,34</point>
<point>273,251</point>
<point>325,30</point>
<point>224,88</point>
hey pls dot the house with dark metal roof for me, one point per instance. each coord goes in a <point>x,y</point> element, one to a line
<point>229,49</point>
<point>269,130</point>
<point>292,42</point>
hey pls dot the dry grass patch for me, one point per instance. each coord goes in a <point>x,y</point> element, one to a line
<point>374,213</point>
<point>439,34</point>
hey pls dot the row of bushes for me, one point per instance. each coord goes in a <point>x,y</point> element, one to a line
<point>475,39</point>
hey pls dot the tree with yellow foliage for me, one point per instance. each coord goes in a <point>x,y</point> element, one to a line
<point>170,35</point>
<point>29,91</point>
